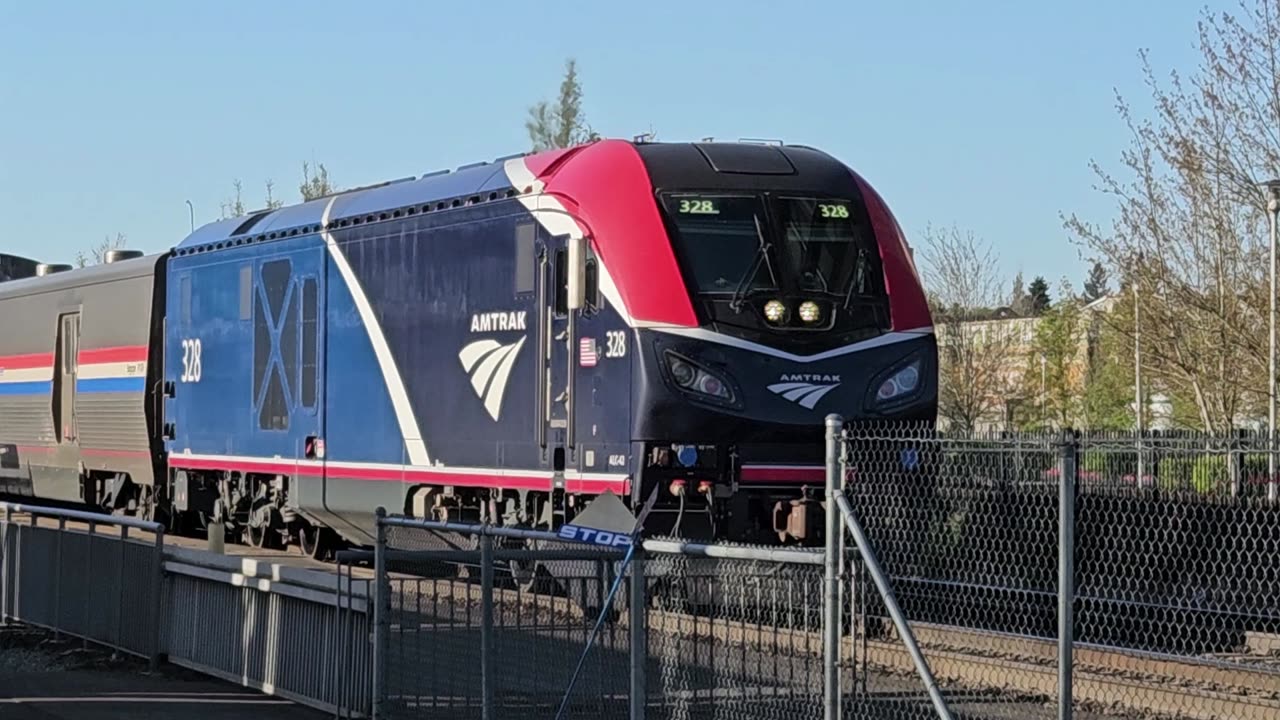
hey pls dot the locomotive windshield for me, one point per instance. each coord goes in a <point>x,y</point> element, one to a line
<point>722,242</point>
<point>823,247</point>
<point>731,244</point>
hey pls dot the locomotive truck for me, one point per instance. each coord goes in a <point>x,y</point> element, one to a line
<point>499,343</point>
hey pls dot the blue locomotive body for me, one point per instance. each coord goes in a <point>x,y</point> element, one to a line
<point>503,342</point>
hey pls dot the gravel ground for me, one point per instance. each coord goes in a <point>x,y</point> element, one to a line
<point>48,678</point>
<point>32,650</point>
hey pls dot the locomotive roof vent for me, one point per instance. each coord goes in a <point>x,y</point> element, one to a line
<point>751,159</point>
<point>118,255</point>
<point>50,268</point>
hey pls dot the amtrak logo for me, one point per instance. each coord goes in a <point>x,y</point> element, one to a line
<point>489,364</point>
<point>805,390</point>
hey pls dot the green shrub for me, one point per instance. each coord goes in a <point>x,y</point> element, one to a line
<point>1203,474</point>
<point>1109,463</point>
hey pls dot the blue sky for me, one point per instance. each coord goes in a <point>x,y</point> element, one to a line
<point>981,114</point>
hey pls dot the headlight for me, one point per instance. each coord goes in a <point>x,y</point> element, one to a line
<point>775,311</point>
<point>695,379</point>
<point>810,312</point>
<point>903,382</point>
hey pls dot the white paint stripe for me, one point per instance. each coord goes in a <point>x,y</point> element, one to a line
<point>99,371</point>
<point>338,465</point>
<point>18,375</point>
<point>556,220</point>
<point>882,340</point>
<point>390,373</point>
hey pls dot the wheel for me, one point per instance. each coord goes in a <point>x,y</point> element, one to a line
<point>257,536</point>
<point>315,542</point>
<point>524,573</point>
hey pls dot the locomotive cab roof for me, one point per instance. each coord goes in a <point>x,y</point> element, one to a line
<point>744,164</point>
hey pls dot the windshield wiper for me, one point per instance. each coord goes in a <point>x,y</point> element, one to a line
<point>762,257</point>
<point>859,279</point>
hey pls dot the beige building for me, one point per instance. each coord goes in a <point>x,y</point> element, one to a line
<point>1004,347</point>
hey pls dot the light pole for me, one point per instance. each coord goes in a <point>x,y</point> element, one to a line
<point>1273,214</point>
<point>1137,368</point>
<point>192,211</point>
<point>1044,415</point>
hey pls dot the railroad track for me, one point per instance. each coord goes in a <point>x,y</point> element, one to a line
<point>1114,681</point>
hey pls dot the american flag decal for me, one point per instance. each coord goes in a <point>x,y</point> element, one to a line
<point>587,354</point>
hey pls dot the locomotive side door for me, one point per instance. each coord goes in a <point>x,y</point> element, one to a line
<point>553,344</point>
<point>68,371</point>
<point>558,350</point>
<point>301,346</point>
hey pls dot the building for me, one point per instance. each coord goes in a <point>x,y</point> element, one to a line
<point>1002,348</point>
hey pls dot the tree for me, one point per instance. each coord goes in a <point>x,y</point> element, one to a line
<point>1038,296</point>
<point>975,353</point>
<point>1190,227</point>
<point>272,202</point>
<point>1095,286</point>
<point>315,186</point>
<point>99,251</point>
<point>1055,364</point>
<point>234,206</point>
<point>1019,301</point>
<point>562,124</point>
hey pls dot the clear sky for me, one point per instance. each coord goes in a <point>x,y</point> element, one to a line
<point>983,114</point>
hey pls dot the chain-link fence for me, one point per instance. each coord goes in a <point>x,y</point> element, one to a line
<point>940,592</point>
<point>485,626</point>
<point>1173,547</point>
<point>489,622</point>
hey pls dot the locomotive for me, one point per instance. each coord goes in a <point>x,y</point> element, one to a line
<point>499,343</point>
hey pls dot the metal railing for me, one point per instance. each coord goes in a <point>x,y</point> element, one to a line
<point>296,633</point>
<point>95,582</point>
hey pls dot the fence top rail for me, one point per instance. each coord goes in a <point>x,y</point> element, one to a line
<point>736,552</point>
<point>659,546</point>
<point>468,528</point>
<point>120,521</point>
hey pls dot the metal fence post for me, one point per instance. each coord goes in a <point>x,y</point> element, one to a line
<point>639,637</point>
<point>845,594</point>
<point>831,580</point>
<point>88,583</point>
<point>57,577</point>
<point>124,538</point>
<point>157,599</point>
<point>1066,571</point>
<point>486,627</point>
<point>381,605</point>
<point>5,565</point>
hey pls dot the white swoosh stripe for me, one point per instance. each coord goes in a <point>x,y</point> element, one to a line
<point>480,379</point>
<point>556,220</point>
<point>808,401</point>
<point>498,386</point>
<point>879,341</point>
<point>409,430</point>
